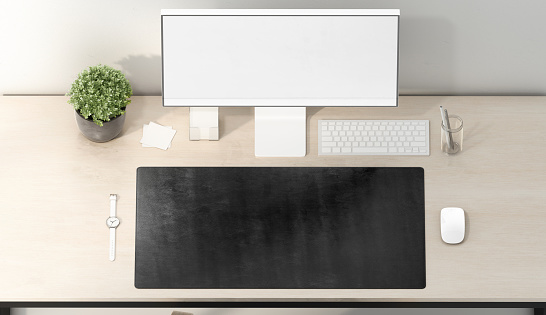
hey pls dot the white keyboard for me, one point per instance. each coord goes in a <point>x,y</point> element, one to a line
<point>373,137</point>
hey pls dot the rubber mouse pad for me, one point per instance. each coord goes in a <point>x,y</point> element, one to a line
<point>280,228</point>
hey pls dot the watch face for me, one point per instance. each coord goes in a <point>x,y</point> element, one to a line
<point>112,222</point>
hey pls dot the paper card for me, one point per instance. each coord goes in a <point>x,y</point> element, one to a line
<point>144,128</point>
<point>157,136</point>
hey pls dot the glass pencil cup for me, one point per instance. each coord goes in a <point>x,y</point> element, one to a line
<point>451,140</point>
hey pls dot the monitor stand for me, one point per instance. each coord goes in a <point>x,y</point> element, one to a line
<point>280,131</point>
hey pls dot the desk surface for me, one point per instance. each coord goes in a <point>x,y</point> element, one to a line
<point>55,186</point>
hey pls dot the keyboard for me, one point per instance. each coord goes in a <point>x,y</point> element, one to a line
<point>373,137</point>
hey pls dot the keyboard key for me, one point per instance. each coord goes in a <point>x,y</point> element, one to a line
<point>328,144</point>
<point>370,150</point>
<point>326,149</point>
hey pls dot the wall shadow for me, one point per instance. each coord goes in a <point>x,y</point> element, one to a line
<point>144,73</point>
<point>427,57</point>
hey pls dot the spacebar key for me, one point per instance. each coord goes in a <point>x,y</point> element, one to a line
<point>370,150</point>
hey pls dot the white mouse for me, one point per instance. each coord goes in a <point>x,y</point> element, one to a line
<point>452,225</point>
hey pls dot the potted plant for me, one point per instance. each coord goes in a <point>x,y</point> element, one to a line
<point>100,96</point>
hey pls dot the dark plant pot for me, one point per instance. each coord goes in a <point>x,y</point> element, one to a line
<point>96,133</point>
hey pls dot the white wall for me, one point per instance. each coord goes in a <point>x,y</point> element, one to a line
<point>447,47</point>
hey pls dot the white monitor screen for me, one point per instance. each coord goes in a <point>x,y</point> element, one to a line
<point>280,57</point>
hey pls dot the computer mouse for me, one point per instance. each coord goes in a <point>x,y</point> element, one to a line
<point>452,225</point>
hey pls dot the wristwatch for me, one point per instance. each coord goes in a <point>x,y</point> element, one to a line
<point>112,222</point>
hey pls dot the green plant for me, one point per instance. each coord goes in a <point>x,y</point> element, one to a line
<point>100,93</point>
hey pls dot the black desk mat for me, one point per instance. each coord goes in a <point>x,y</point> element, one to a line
<point>280,227</point>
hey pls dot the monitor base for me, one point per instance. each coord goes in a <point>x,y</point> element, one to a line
<point>280,131</point>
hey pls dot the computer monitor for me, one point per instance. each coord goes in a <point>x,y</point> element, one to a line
<point>279,61</point>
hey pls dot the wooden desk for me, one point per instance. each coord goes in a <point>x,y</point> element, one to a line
<point>55,186</point>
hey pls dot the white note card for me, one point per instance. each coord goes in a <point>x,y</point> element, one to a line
<point>157,136</point>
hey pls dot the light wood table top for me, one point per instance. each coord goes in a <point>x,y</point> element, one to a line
<point>55,186</point>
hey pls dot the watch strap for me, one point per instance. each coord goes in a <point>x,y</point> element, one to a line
<point>113,199</point>
<point>112,246</point>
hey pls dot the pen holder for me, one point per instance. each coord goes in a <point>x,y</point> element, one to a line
<point>451,139</point>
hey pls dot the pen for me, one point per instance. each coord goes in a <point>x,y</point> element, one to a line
<point>449,132</point>
<point>445,122</point>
